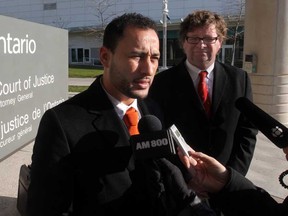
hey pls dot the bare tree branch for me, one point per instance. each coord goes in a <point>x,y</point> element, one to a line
<point>60,23</point>
<point>234,13</point>
<point>101,9</point>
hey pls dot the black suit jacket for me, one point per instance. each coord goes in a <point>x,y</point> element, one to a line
<point>227,135</point>
<point>82,157</point>
<point>242,197</point>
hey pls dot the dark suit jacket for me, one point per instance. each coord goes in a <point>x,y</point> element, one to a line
<point>241,197</point>
<point>227,135</point>
<point>82,156</point>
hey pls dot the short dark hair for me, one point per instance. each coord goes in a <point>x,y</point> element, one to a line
<point>201,18</point>
<point>114,30</point>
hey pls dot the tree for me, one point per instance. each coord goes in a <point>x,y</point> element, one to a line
<point>101,10</point>
<point>60,23</point>
<point>234,12</point>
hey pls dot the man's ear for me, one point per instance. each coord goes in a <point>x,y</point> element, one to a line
<point>105,56</point>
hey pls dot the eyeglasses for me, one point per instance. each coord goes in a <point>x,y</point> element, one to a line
<point>206,40</point>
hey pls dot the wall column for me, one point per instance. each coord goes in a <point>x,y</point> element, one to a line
<point>266,39</point>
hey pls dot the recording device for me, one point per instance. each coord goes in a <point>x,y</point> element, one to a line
<point>270,127</point>
<point>153,142</point>
<point>179,140</point>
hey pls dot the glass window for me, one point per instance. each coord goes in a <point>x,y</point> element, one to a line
<point>50,6</point>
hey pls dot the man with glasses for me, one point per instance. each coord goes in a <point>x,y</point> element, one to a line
<point>202,107</point>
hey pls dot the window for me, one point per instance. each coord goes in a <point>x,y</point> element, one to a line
<point>80,55</point>
<point>50,6</point>
<point>87,55</point>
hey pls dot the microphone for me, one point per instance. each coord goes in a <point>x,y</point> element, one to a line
<point>270,127</point>
<point>152,142</point>
<point>149,124</point>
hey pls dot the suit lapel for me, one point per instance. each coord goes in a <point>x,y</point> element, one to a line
<point>109,122</point>
<point>106,119</point>
<point>143,107</point>
<point>220,80</point>
<point>185,91</point>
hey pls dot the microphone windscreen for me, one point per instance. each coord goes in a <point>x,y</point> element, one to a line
<point>148,124</point>
<point>270,127</point>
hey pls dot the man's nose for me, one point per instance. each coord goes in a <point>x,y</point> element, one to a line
<point>149,66</point>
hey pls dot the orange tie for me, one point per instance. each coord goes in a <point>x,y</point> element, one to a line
<point>203,91</point>
<point>131,120</point>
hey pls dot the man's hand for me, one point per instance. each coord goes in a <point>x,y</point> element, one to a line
<point>208,175</point>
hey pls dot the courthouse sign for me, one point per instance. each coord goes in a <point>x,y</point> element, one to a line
<point>34,78</point>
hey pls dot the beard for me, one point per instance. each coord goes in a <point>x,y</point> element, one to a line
<point>125,84</point>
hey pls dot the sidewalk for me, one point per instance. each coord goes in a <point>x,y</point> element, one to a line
<point>268,163</point>
<point>9,169</point>
<point>80,81</point>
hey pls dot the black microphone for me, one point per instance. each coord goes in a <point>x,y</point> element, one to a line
<point>270,127</point>
<point>152,142</point>
<point>149,124</point>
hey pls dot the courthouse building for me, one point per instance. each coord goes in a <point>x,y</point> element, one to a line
<point>86,19</point>
<point>262,54</point>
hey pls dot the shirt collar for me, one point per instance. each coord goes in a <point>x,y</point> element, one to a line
<point>194,71</point>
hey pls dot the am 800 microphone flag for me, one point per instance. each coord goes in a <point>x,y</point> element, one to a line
<point>152,142</point>
<point>270,127</point>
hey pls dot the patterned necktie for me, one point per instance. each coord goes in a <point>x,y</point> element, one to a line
<point>131,120</point>
<point>203,91</point>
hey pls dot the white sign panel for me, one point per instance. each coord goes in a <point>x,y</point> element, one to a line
<point>34,78</point>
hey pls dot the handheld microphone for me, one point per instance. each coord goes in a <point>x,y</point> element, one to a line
<point>270,127</point>
<point>152,142</point>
